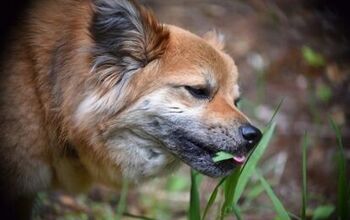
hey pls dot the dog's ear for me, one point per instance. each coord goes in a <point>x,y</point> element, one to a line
<point>215,39</point>
<point>127,35</point>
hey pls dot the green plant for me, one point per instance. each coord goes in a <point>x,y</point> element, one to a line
<point>122,200</point>
<point>280,210</point>
<point>222,156</point>
<point>194,209</point>
<point>312,58</point>
<point>323,212</point>
<point>304,173</point>
<point>343,200</point>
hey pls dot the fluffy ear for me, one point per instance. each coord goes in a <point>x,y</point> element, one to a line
<point>216,39</point>
<point>127,36</point>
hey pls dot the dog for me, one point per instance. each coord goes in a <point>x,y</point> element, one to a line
<point>93,91</point>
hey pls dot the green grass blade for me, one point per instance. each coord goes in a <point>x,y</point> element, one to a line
<point>253,160</point>
<point>122,200</point>
<point>323,212</point>
<point>212,198</point>
<point>255,192</point>
<point>229,190</point>
<point>194,209</point>
<point>276,111</point>
<point>237,212</point>
<point>230,185</point>
<point>220,156</point>
<point>304,172</point>
<point>294,216</point>
<point>342,200</point>
<point>280,210</point>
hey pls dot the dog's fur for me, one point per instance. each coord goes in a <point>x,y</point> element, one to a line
<point>96,90</point>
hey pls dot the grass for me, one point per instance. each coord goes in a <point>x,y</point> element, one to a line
<point>122,200</point>
<point>194,209</point>
<point>304,173</point>
<point>230,185</point>
<point>220,156</point>
<point>343,188</point>
<point>343,203</point>
<point>234,185</point>
<point>279,208</point>
<point>213,197</point>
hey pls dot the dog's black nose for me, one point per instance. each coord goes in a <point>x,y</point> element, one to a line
<point>251,134</point>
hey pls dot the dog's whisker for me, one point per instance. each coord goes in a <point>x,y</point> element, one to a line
<point>176,112</point>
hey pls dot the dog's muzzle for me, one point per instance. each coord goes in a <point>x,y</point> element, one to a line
<point>197,144</point>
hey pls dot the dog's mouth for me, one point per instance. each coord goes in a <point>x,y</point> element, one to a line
<point>224,166</point>
<point>199,155</point>
<point>238,157</point>
<point>197,147</point>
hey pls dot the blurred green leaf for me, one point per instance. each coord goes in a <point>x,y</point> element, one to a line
<point>177,183</point>
<point>254,192</point>
<point>312,58</point>
<point>323,212</point>
<point>101,211</point>
<point>323,92</point>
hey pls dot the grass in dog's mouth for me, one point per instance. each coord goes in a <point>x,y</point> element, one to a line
<point>223,156</point>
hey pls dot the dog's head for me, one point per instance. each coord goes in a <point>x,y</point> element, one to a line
<point>157,93</point>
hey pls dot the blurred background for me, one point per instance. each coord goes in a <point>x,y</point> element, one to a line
<point>295,50</point>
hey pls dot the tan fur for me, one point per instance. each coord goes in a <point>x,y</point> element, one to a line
<point>47,73</point>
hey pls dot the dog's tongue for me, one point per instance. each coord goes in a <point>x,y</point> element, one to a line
<point>239,159</point>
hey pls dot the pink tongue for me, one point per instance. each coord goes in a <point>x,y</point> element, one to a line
<point>239,159</point>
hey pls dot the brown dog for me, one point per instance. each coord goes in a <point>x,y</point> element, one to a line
<point>96,90</point>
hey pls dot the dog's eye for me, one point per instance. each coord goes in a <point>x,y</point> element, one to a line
<point>199,93</point>
<point>237,100</point>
